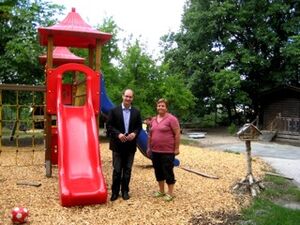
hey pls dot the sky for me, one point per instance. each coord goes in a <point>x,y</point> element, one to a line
<point>146,20</point>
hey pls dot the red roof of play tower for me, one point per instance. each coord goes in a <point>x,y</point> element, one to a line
<point>62,55</point>
<point>73,31</point>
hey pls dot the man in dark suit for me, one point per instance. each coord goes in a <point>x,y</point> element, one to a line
<point>123,124</point>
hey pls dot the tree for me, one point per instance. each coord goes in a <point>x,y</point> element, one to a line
<point>291,52</point>
<point>134,68</point>
<point>172,87</point>
<point>111,56</point>
<point>138,71</point>
<point>227,92</point>
<point>19,46</point>
<point>248,42</point>
<point>150,82</point>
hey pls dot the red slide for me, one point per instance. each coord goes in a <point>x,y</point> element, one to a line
<point>81,181</point>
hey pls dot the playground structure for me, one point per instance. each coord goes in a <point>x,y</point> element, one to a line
<point>77,133</point>
<point>77,106</point>
<point>75,95</point>
<point>18,116</point>
<point>62,55</point>
<point>81,181</point>
<point>22,110</point>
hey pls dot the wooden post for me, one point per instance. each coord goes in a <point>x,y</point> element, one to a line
<point>248,157</point>
<point>97,69</point>
<point>91,57</point>
<point>48,119</point>
<point>50,52</point>
<point>98,56</point>
<point>249,181</point>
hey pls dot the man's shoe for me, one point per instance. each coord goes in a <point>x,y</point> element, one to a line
<point>114,197</point>
<point>125,196</point>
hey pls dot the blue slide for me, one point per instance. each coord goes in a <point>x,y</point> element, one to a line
<point>106,104</point>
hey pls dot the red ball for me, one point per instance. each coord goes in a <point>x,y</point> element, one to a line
<point>19,215</point>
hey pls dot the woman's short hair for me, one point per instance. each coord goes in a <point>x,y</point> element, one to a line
<point>162,100</point>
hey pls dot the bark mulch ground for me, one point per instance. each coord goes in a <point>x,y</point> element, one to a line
<point>199,200</point>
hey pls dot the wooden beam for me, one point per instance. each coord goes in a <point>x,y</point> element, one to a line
<point>198,173</point>
<point>279,175</point>
<point>23,87</point>
<point>98,56</point>
<point>91,57</point>
<point>48,118</point>
<point>29,183</point>
<point>50,52</point>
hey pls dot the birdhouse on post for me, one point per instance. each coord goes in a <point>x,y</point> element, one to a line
<point>248,132</point>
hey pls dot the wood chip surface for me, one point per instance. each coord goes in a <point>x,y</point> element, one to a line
<point>196,196</point>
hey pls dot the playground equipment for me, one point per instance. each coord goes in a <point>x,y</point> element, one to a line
<point>81,181</point>
<point>62,55</point>
<point>72,110</point>
<point>17,120</point>
<point>80,173</point>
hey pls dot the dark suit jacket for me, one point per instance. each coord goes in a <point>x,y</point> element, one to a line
<point>115,126</point>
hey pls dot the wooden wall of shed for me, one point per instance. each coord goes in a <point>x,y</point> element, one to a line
<point>287,107</point>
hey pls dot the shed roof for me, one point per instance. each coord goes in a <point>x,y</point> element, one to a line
<point>280,89</point>
<point>73,31</point>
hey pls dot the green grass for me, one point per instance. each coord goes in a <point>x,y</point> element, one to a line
<point>264,210</point>
<point>281,188</point>
<point>189,142</point>
<point>233,152</point>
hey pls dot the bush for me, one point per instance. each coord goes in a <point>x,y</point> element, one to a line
<point>232,129</point>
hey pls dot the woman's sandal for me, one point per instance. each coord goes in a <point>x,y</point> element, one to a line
<point>158,194</point>
<point>168,198</point>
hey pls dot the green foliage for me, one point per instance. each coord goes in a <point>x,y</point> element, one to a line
<point>208,120</point>
<point>181,100</point>
<point>228,51</point>
<point>110,51</point>
<point>19,47</point>
<point>134,68</point>
<point>232,129</point>
<point>291,51</point>
<point>280,187</point>
<point>213,69</point>
<point>189,142</point>
<point>264,211</point>
<point>138,71</point>
<point>232,152</point>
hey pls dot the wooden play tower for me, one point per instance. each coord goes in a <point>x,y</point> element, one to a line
<point>74,32</point>
<point>62,55</point>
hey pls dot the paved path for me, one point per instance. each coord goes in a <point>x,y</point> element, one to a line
<point>285,159</point>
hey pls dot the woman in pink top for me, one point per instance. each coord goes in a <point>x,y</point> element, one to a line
<point>163,144</point>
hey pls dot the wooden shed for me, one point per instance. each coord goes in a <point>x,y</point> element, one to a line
<point>280,113</point>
